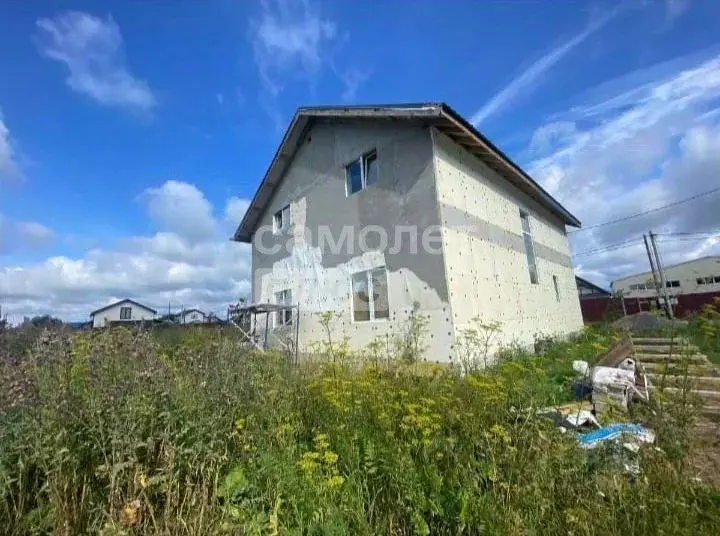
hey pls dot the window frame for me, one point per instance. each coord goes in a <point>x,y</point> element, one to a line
<point>372,316</point>
<point>529,253</point>
<point>284,217</point>
<point>556,284</point>
<point>363,161</point>
<point>284,317</point>
<point>123,310</point>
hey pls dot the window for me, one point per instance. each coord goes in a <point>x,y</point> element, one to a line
<point>125,313</point>
<point>284,317</point>
<point>362,173</point>
<point>529,249</point>
<point>557,288</point>
<point>708,280</point>
<point>281,219</point>
<point>674,284</point>
<point>370,295</point>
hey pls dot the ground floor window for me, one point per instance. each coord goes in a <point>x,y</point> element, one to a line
<point>370,295</point>
<point>284,317</point>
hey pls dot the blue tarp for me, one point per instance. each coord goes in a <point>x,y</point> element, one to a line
<point>615,431</point>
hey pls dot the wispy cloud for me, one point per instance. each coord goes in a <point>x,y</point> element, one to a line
<point>92,50</point>
<point>8,166</point>
<point>293,41</point>
<point>291,38</point>
<point>10,169</point>
<point>21,236</point>
<point>643,147</point>
<point>675,8</point>
<point>352,79</point>
<point>536,70</point>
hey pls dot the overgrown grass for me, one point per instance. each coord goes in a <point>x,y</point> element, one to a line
<point>126,433</point>
<point>704,330</point>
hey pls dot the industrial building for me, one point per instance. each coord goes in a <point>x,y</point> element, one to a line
<point>380,213</point>
<point>699,276</point>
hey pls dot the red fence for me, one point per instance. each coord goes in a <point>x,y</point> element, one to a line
<point>596,309</point>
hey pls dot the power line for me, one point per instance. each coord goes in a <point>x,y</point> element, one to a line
<point>649,211</point>
<point>611,247</point>
<point>705,234</point>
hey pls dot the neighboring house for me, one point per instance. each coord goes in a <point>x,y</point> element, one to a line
<point>192,316</point>
<point>690,285</point>
<point>122,311</point>
<point>587,290</point>
<point>594,300</point>
<point>377,212</point>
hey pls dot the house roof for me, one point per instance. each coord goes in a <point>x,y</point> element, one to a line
<point>438,115</point>
<point>592,286</point>
<point>126,300</point>
<point>186,311</point>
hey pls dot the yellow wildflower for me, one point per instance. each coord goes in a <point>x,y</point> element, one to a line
<point>335,481</point>
<point>330,457</point>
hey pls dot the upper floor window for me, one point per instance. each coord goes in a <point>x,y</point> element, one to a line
<point>529,248</point>
<point>361,173</point>
<point>125,313</point>
<point>281,219</point>
<point>370,295</point>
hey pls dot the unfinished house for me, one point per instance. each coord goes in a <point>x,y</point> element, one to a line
<point>382,212</point>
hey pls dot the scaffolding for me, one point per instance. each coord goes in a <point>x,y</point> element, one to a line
<point>247,318</point>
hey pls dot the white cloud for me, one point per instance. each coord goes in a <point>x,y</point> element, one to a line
<point>352,79</point>
<point>181,208</point>
<point>293,41</point>
<point>290,39</point>
<point>23,236</point>
<point>8,164</point>
<point>645,146</point>
<point>675,8</point>
<point>92,50</point>
<point>205,270</point>
<point>235,210</point>
<point>530,76</point>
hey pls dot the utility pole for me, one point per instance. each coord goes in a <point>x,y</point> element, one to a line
<point>653,268</point>
<point>661,271</point>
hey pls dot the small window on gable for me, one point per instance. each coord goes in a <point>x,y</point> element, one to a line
<point>281,219</point>
<point>557,287</point>
<point>125,313</point>
<point>362,173</point>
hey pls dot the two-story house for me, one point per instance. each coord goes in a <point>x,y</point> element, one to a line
<point>381,212</point>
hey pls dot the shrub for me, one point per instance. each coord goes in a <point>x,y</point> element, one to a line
<point>130,433</point>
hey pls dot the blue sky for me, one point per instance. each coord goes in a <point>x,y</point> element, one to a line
<point>133,133</point>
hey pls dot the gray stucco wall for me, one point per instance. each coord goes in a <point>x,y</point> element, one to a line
<point>320,277</point>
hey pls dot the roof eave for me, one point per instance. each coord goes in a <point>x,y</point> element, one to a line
<point>460,130</point>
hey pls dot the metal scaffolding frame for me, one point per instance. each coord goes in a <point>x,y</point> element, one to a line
<point>245,318</point>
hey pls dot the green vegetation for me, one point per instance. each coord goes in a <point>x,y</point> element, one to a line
<point>704,330</point>
<point>120,432</point>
